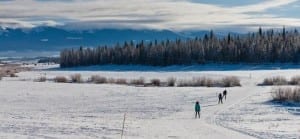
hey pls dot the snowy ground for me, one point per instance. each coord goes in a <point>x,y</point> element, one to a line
<point>51,110</point>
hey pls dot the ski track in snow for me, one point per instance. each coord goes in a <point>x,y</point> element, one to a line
<point>51,110</point>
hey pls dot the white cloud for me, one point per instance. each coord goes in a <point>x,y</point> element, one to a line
<point>260,7</point>
<point>158,14</point>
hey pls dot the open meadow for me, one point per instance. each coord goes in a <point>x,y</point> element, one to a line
<point>48,109</point>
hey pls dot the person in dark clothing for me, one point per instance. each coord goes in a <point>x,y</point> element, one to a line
<point>197,109</point>
<point>224,94</point>
<point>220,98</point>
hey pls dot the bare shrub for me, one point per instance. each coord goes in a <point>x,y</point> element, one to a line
<point>60,79</point>
<point>8,71</point>
<point>280,94</point>
<point>98,79</point>
<point>296,96</point>
<point>155,82</point>
<point>278,80</point>
<point>286,94</point>
<point>295,80</point>
<point>41,79</point>
<point>13,75</point>
<point>184,83</point>
<point>209,82</point>
<point>190,83</point>
<point>121,81</point>
<point>198,81</point>
<point>111,80</point>
<point>230,81</point>
<point>171,81</point>
<point>203,81</point>
<point>140,81</point>
<point>76,78</point>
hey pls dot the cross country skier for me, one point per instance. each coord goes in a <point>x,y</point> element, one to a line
<point>224,94</point>
<point>197,109</point>
<point>220,98</point>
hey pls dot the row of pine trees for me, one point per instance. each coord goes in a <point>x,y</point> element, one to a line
<point>260,47</point>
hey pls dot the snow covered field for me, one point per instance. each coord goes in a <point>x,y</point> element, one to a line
<point>57,110</point>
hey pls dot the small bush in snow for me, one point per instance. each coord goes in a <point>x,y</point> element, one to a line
<point>111,81</point>
<point>203,81</point>
<point>275,81</point>
<point>98,79</point>
<point>121,81</point>
<point>208,82</point>
<point>286,94</point>
<point>295,80</point>
<point>76,78</point>
<point>8,72</point>
<point>184,83</point>
<point>155,82</point>
<point>171,81</point>
<point>13,75</point>
<point>41,79</point>
<point>231,81</point>
<point>60,79</point>
<point>296,95</point>
<point>197,82</point>
<point>140,81</point>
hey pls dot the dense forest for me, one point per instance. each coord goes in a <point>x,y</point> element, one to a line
<point>259,47</point>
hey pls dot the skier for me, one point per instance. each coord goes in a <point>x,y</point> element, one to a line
<point>197,109</point>
<point>220,98</point>
<point>224,94</point>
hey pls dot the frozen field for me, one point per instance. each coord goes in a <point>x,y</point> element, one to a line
<point>56,110</point>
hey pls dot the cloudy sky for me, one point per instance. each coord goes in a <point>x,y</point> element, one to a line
<point>177,15</point>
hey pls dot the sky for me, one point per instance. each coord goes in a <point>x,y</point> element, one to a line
<point>176,15</point>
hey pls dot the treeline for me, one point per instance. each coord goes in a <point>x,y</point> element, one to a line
<point>260,47</point>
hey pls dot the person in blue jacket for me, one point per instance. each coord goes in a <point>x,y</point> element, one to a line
<point>197,109</point>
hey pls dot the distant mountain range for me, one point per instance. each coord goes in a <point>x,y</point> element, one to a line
<point>50,38</point>
<point>54,39</point>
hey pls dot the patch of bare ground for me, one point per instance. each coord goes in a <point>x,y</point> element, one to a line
<point>11,70</point>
